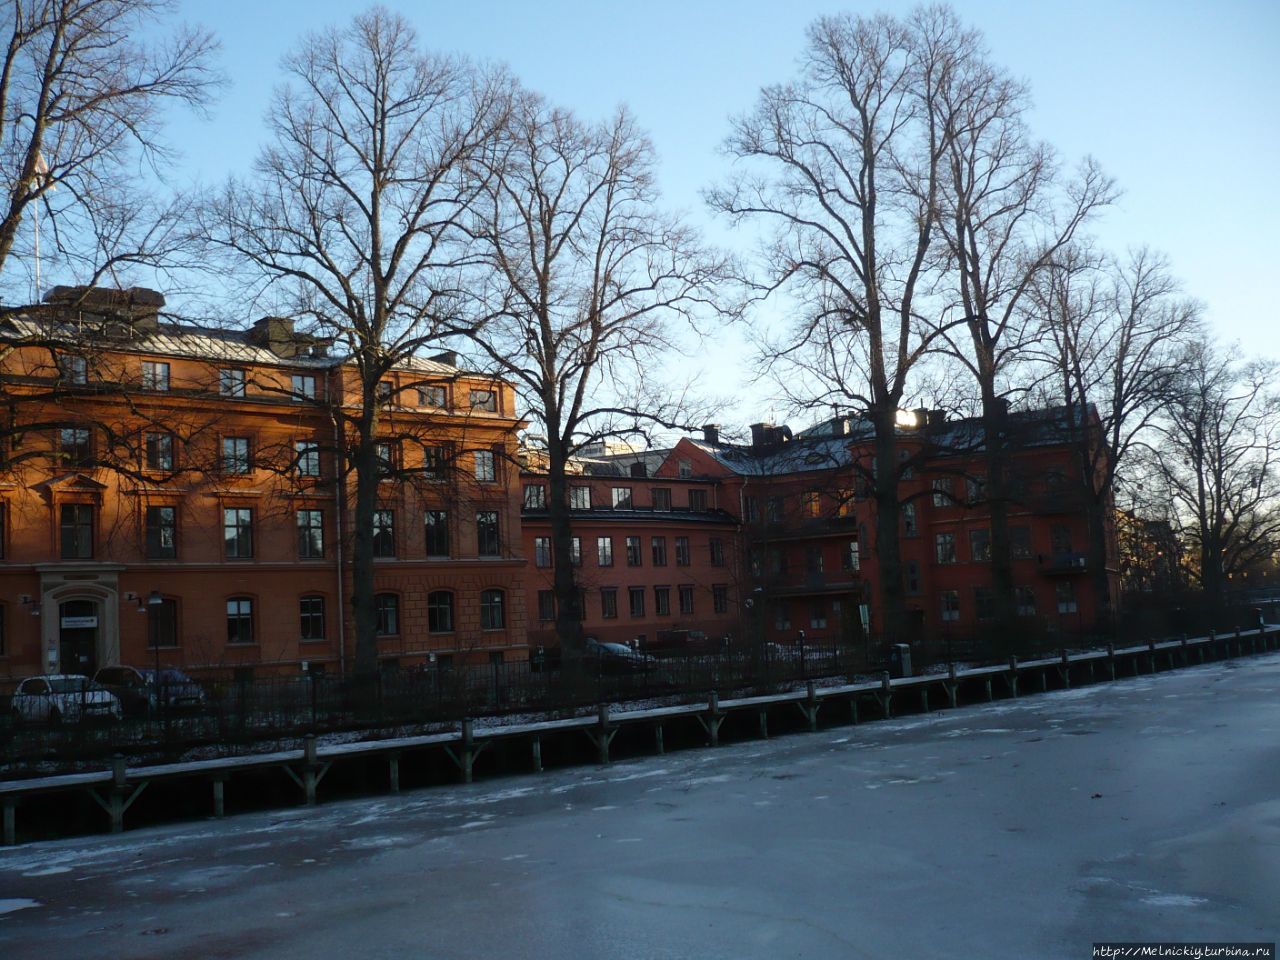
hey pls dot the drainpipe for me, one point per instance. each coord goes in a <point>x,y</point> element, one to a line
<point>339,494</point>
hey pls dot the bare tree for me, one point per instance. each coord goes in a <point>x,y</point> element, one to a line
<point>581,278</point>
<point>82,98</point>
<point>1114,335</point>
<point>353,220</point>
<point>844,164</point>
<point>1004,214</point>
<point>1217,456</point>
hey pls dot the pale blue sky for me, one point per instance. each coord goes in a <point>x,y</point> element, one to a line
<point>1178,100</point>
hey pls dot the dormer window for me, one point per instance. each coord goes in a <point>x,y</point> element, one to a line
<point>155,375</point>
<point>74,370</point>
<point>486,400</point>
<point>303,387</point>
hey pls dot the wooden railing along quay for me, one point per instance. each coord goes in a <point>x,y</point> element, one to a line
<point>115,789</point>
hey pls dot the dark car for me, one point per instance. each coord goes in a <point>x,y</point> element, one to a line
<point>140,695</point>
<point>616,658</point>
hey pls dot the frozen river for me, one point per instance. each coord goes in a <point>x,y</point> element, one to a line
<point>1147,809</point>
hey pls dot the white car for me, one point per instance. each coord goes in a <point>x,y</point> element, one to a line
<point>63,698</point>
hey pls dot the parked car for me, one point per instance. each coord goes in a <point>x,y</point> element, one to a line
<point>139,694</point>
<point>62,698</point>
<point>617,657</point>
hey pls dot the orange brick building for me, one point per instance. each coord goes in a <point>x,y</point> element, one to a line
<point>177,494</point>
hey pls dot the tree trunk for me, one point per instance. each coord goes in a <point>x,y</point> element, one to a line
<point>364,610</point>
<point>564,583</point>
<point>888,547</point>
<point>994,418</point>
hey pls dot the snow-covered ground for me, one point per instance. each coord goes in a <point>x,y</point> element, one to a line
<point>1147,809</point>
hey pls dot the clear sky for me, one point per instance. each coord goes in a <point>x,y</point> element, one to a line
<point>1178,100</point>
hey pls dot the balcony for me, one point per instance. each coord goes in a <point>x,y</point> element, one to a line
<point>1063,564</point>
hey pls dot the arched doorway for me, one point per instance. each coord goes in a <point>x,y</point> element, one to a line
<point>78,625</point>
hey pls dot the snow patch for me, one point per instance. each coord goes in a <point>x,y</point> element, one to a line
<point>9,906</point>
<point>374,843</point>
<point>1174,900</point>
<point>47,872</point>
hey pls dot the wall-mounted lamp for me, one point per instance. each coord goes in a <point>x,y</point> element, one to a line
<point>30,601</point>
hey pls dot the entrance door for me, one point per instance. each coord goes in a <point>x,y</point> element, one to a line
<point>78,636</point>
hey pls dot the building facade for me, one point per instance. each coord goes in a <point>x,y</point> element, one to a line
<point>181,495</point>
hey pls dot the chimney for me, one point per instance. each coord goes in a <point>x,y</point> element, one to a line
<point>711,434</point>
<point>139,306</point>
<point>638,470</point>
<point>276,334</point>
<point>448,357</point>
<point>839,426</point>
<point>761,434</point>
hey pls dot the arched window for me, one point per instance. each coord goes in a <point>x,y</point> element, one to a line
<point>492,610</point>
<point>388,612</point>
<point>240,620</point>
<point>440,611</point>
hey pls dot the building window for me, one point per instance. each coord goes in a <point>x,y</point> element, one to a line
<point>851,557</point>
<point>433,396</point>
<point>546,605</point>
<point>575,551</point>
<point>311,618</point>
<point>162,533</point>
<point>535,496</point>
<point>984,603</point>
<point>604,551</point>
<point>773,509</point>
<point>980,546</point>
<point>435,463</point>
<point>636,597</point>
<point>158,450</point>
<point>716,546</point>
<point>440,611</point>
<point>945,547</point>
<point>942,492</point>
<point>486,400</point>
<point>817,615</point>
<point>682,551</point>
<point>386,457</point>
<point>777,560</point>
<point>686,599</point>
<point>622,498</point>
<point>913,578</point>
<point>662,601</point>
<point>1066,592</point>
<point>76,521</point>
<point>73,369</point>
<point>231,382</point>
<point>685,470</point>
<point>239,620</point>
<point>580,498</point>
<point>162,624</point>
<point>812,503</point>
<point>698,501</point>
<point>155,376</point>
<point>659,551</point>
<point>311,534</point>
<point>751,509</point>
<point>235,455</point>
<point>75,446</point>
<point>384,391</point>
<point>720,598</point>
<point>384,533</point>
<point>237,532</point>
<point>492,612</point>
<point>975,489</point>
<point>1060,538</point>
<point>542,551</point>
<point>813,560</point>
<point>303,388</point>
<point>1025,598</point>
<point>307,458</point>
<point>488,541</point>
<point>633,552</point>
<point>437,529</point>
<point>950,605</point>
<point>781,616</point>
<point>486,472</point>
<point>609,603</point>
<point>387,612</point>
<point>1020,543</point>
<point>910,528</point>
<point>661,498</point>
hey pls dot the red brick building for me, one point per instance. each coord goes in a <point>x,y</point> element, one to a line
<point>654,554</point>
<point>202,469</point>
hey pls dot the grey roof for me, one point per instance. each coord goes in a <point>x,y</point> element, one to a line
<point>189,340</point>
